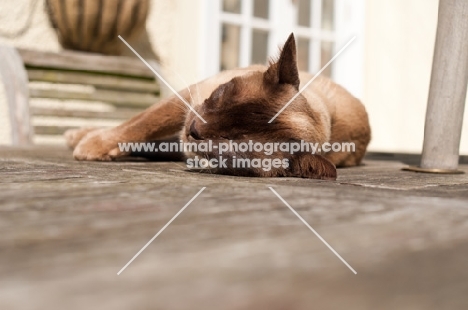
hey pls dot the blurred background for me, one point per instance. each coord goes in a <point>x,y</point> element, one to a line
<point>388,66</point>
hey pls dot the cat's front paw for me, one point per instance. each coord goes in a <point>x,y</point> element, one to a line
<point>74,136</point>
<point>310,166</point>
<point>99,145</point>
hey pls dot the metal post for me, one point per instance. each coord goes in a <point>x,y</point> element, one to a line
<point>449,79</point>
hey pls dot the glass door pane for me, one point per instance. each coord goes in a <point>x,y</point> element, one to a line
<point>325,56</point>
<point>259,46</point>
<point>232,6</point>
<point>261,8</point>
<point>303,13</point>
<point>303,48</point>
<point>230,44</point>
<point>328,7</point>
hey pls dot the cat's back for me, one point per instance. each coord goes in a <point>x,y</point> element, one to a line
<point>338,100</point>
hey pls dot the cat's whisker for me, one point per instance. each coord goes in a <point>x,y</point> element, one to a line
<point>186,86</point>
<point>198,93</point>
<point>208,158</point>
<point>178,165</point>
<point>180,105</point>
<point>191,97</point>
<point>191,102</point>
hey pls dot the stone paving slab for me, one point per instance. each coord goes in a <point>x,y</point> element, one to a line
<point>68,227</point>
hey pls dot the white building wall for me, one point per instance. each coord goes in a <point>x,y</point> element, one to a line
<point>399,42</point>
<point>400,37</point>
<point>174,30</point>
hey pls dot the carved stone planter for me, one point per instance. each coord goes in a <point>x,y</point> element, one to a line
<point>94,25</point>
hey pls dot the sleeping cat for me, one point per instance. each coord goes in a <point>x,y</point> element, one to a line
<point>237,105</point>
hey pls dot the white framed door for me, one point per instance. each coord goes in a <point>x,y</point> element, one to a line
<point>237,33</point>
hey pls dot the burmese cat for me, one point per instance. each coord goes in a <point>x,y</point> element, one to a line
<point>237,105</point>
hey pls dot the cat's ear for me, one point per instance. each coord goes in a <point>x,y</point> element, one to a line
<point>312,166</point>
<point>285,71</point>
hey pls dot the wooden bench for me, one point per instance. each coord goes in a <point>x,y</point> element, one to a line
<point>49,92</point>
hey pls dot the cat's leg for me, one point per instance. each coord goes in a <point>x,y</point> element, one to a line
<point>353,156</point>
<point>351,129</point>
<point>157,122</point>
<point>353,146</point>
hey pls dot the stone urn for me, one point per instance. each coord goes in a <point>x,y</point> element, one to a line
<point>94,25</point>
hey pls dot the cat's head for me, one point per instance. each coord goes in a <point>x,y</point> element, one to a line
<point>241,110</point>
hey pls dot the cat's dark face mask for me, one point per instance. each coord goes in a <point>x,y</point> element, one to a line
<point>240,111</point>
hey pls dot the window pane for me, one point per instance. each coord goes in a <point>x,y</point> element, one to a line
<point>229,47</point>
<point>303,13</point>
<point>327,14</point>
<point>259,46</point>
<point>326,55</point>
<point>261,8</point>
<point>303,54</point>
<point>232,6</point>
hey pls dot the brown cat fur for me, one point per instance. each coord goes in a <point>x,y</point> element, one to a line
<point>237,105</point>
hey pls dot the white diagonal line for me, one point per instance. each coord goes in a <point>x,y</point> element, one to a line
<point>311,80</point>
<point>161,230</point>
<point>313,230</point>
<point>162,79</point>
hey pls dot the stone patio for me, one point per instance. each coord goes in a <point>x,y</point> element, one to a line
<point>68,227</point>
